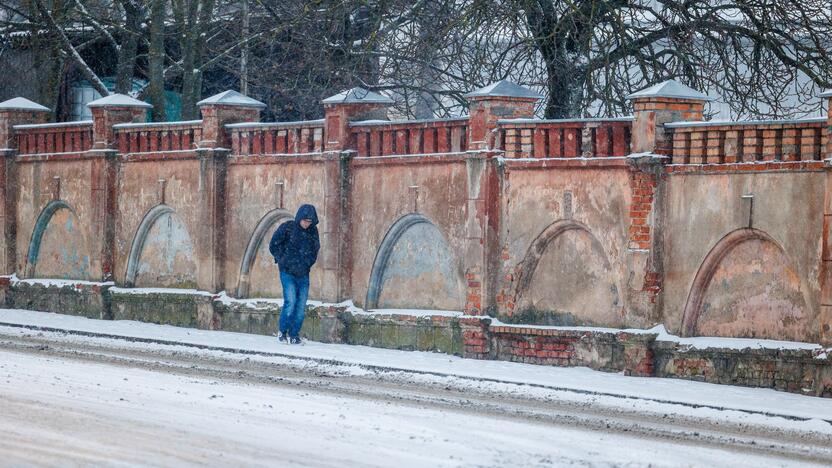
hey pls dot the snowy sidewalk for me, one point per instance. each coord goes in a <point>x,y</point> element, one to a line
<point>579,380</point>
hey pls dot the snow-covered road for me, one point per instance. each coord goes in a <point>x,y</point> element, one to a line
<point>70,399</point>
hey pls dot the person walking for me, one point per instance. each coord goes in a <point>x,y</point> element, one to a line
<point>295,246</point>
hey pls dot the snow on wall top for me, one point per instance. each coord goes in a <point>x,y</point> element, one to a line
<point>671,89</point>
<point>75,123</point>
<point>504,89</point>
<point>231,98</point>
<point>118,100</point>
<point>714,123</point>
<point>21,103</point>
<point>357,95</point>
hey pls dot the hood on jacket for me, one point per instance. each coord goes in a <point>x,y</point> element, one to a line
<point>307,212</point>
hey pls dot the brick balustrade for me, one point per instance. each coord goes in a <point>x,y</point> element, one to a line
<point>277,138</point>
<point>383,138</point>
<point>751,141</point>
<point>166,136</point>
<point>70,137</point>
<point>693,143</point>
<point>569,138</point>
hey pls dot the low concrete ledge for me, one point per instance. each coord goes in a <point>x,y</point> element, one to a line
<point>72,297</point>
<point>599,349</point>
<point>182,308</point>
<point>803,371</point>
<point>793,367</point>
<point>342,323</point>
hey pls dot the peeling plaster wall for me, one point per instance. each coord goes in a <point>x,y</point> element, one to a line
<point>588,273</point>
<point>64,252</point>
<point>757,289</point>
<point>755,293</point>
<point>581,275</point>
<point>253,192</point>
<point>573,284</point>
<point>68,236</point>
<point>140,191</point>
<point>168,257</point>
<point>441,199</point>
<point>421,273</point>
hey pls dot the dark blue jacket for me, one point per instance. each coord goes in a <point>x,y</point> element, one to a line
<point>294,248</point>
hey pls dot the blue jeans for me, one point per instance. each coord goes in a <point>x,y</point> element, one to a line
<point>295,290</point>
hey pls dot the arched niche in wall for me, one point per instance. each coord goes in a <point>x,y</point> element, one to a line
<point>566,278</point>
<point>162,253</point>
<point>58,247</point>
<point>258,273</point>
<point>746,287</point>
<point>414,268</point>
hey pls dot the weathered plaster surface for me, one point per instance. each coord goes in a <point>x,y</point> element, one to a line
<point>140,191</point>
<point>755,293</point>
<point>69,234</point>
<point>579,275</point>
<point>64,251</point>
<point>168,258</point>
<point>759,288</point>
<point>573,284</point>
<point>254,191</point>
<point>440,188</point>
<point>420,272</point>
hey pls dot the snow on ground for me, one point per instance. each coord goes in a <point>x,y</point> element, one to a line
<point>57,411</point>
<point>697,397</point>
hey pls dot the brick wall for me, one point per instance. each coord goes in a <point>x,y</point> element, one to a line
<point>366,175</point>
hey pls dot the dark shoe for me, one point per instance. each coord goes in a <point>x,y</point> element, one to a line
<point>282,337</point>
<point>295,340</point>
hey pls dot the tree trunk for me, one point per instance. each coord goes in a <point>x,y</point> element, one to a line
<point>156,59</point>
<point>427,77</point>
<point>127,51</point>
<point>198,18</point>
<point>564,84</point>
<point>186,44</point>
<point>558,46</point>
<point>244,50</point>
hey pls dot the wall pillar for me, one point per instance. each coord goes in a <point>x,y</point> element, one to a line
<point>210,239</point>
<point>651,146</point>
<point>825,313</point>
<point>222,109</point>
<point>17,111</point>
<point>335,229</point>
<point>657,105</point>
<point>488,105</point>
<point>111,110</point>
<point>107,112</point>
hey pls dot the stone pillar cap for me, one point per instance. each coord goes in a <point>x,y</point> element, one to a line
<point>671,89</point>
<point>231,98</point>
<point>357,95</point>
<point>23,104</point>
<point>118,100</point>
<point>505,89</point>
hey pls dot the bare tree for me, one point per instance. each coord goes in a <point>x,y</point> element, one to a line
<point>747,51</point>
<point>763,57</point>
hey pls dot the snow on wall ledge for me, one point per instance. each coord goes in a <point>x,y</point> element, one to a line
<point>789,366</point>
